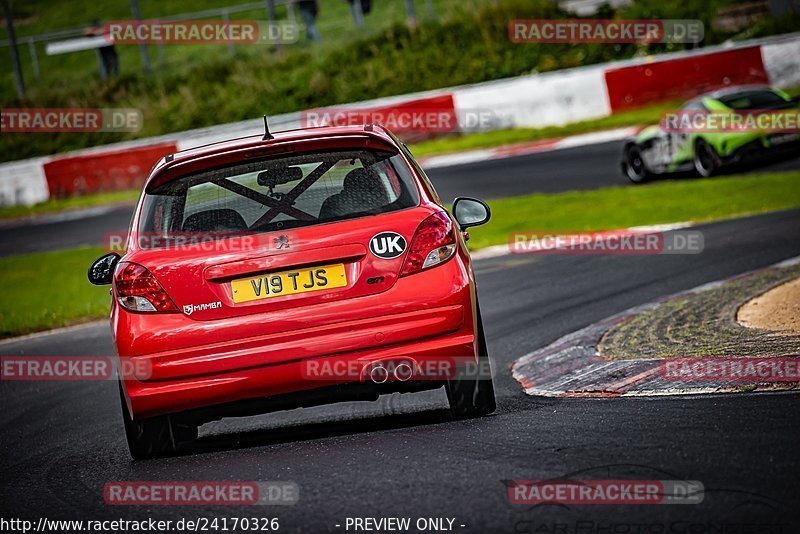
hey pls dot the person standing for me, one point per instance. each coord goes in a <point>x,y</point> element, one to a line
<point>109,60</point>
<point>359,8</point>
<point>309,10</point>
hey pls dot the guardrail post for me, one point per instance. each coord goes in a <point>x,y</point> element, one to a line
<point>271,12</point>
<point>12,40</point>
<point>142,46</point>
<point>34,57</point>
<point>226,19</point>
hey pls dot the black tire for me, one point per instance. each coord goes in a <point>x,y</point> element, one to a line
<point>155,436</point>
<point>633,165</point>
<point>468,394</point>
<point>705,159</point>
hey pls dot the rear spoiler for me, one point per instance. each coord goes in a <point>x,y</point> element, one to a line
<point>262,150</point>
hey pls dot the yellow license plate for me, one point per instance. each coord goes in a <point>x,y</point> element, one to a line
<point>289,283</point>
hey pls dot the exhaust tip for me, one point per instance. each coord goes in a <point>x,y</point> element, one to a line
<point>379,374</point>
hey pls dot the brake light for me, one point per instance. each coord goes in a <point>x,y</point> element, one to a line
<point>138,290</point>
<point>434,243</point>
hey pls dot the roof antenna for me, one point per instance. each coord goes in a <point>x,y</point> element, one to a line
<point>267,135</point>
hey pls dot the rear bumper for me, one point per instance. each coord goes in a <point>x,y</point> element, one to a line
<point>425,317</point>
<point>268,381</point>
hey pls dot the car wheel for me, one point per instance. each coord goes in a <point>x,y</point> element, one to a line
<point>706,161</point>
<point>634,167</point>
<point>154,436</point>
<point>470,393</point>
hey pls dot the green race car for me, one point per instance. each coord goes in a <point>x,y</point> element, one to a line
<point>657,150</point>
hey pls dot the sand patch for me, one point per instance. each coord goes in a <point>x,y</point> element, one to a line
<point>778,309</point>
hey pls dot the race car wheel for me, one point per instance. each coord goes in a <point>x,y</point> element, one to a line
<point>154,436</point>
<point>634,166</point>
<point>471,393</point>
<point>706,161</point>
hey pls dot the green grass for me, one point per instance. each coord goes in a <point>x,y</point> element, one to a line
<point>626,206</point>
<point>335,24</point>
<point>49,289</point>
<point>33,17</point>
<point>68,204</point>
<point>202,85</point>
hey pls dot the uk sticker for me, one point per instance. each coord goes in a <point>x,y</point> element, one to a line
<point>387,245</point>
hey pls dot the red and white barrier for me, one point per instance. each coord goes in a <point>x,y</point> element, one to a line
<point>111,170</point>
<point>682,78</point>
<point>531,101</point>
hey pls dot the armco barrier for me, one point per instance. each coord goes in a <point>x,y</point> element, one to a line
<point>531,101</point>
<point>540,100</point>
<point>681,78</point>
<point>106,171</point>
<point>23,182</point>
<point>782,62</point>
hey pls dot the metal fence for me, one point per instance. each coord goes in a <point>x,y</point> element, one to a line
<point>29,43</point>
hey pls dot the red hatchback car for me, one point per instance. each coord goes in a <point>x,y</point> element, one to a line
<point>269,273</point>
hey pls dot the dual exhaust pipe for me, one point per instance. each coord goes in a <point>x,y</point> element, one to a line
<point>380,373</point>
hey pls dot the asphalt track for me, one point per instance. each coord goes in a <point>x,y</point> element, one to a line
<point>403,455</point>
<point>587,167</point>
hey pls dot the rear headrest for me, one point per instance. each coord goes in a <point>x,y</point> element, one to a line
<point>221,220</point>
<point>361,179</point>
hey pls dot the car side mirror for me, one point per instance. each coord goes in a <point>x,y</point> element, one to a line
<point>470,212</point>
<point>101,272</point>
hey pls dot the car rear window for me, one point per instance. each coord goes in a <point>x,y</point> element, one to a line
<point>279,193</point>
<point>755,100</point>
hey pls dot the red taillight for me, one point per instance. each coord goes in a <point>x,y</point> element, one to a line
<point>434,242</point>
<point>138,290</point>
